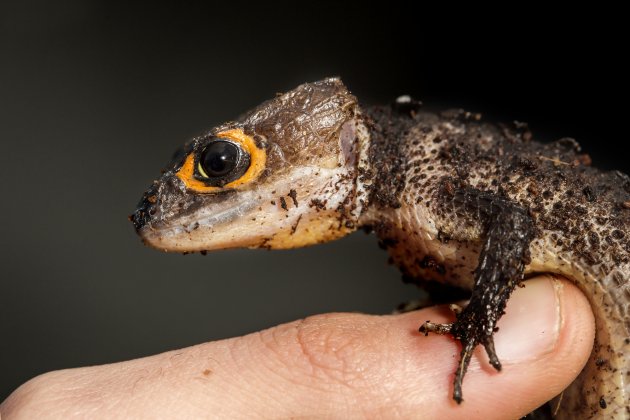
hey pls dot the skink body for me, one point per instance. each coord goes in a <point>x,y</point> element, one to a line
<point>455,200</point>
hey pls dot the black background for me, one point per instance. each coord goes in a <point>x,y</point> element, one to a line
<point>95,96</point>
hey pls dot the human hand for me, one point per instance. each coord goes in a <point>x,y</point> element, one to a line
<point>337,365</point>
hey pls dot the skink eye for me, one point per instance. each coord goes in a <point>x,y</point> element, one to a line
<point>229,159</point>
<point>218,159</point>
<point>221,162</point>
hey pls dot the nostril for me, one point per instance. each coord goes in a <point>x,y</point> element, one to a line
<point>141,216</point>
<point>145,209</point>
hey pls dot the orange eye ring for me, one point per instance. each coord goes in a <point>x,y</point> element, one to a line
<point>257,159</point>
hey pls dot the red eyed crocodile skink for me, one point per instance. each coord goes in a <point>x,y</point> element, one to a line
<point>455,200</point>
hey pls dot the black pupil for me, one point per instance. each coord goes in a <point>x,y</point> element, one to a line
<point>219,158</point>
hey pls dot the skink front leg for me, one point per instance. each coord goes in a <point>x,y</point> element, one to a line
<point>508,232</point>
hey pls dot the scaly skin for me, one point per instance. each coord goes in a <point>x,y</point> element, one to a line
<point>454,200</point>
<point>582,227</point>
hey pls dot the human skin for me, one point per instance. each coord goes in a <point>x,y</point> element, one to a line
<point>337,365</point>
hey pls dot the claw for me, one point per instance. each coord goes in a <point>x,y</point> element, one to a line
<point>465,356</point>
<point>469,332</point>
<point>492,354</point>
<point>429,326</point>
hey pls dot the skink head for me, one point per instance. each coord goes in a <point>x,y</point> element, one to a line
<point>285,174</point>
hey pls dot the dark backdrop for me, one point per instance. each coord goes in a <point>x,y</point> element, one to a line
<point>95,96</point>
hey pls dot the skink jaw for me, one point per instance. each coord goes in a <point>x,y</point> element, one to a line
<point>303,207</point>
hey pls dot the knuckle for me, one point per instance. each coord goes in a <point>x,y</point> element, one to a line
<point>338,347</point>
<point>338,357</point>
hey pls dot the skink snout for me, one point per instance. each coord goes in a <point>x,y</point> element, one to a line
<point>145,209</point>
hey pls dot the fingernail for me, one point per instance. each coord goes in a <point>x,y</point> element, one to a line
<point>532,320</point>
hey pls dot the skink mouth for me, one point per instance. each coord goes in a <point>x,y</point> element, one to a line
<point>211,220</point>
<point>169,218</point>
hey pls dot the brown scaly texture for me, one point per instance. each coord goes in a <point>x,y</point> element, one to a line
<point>469,204</point>
<point>575,218</point>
